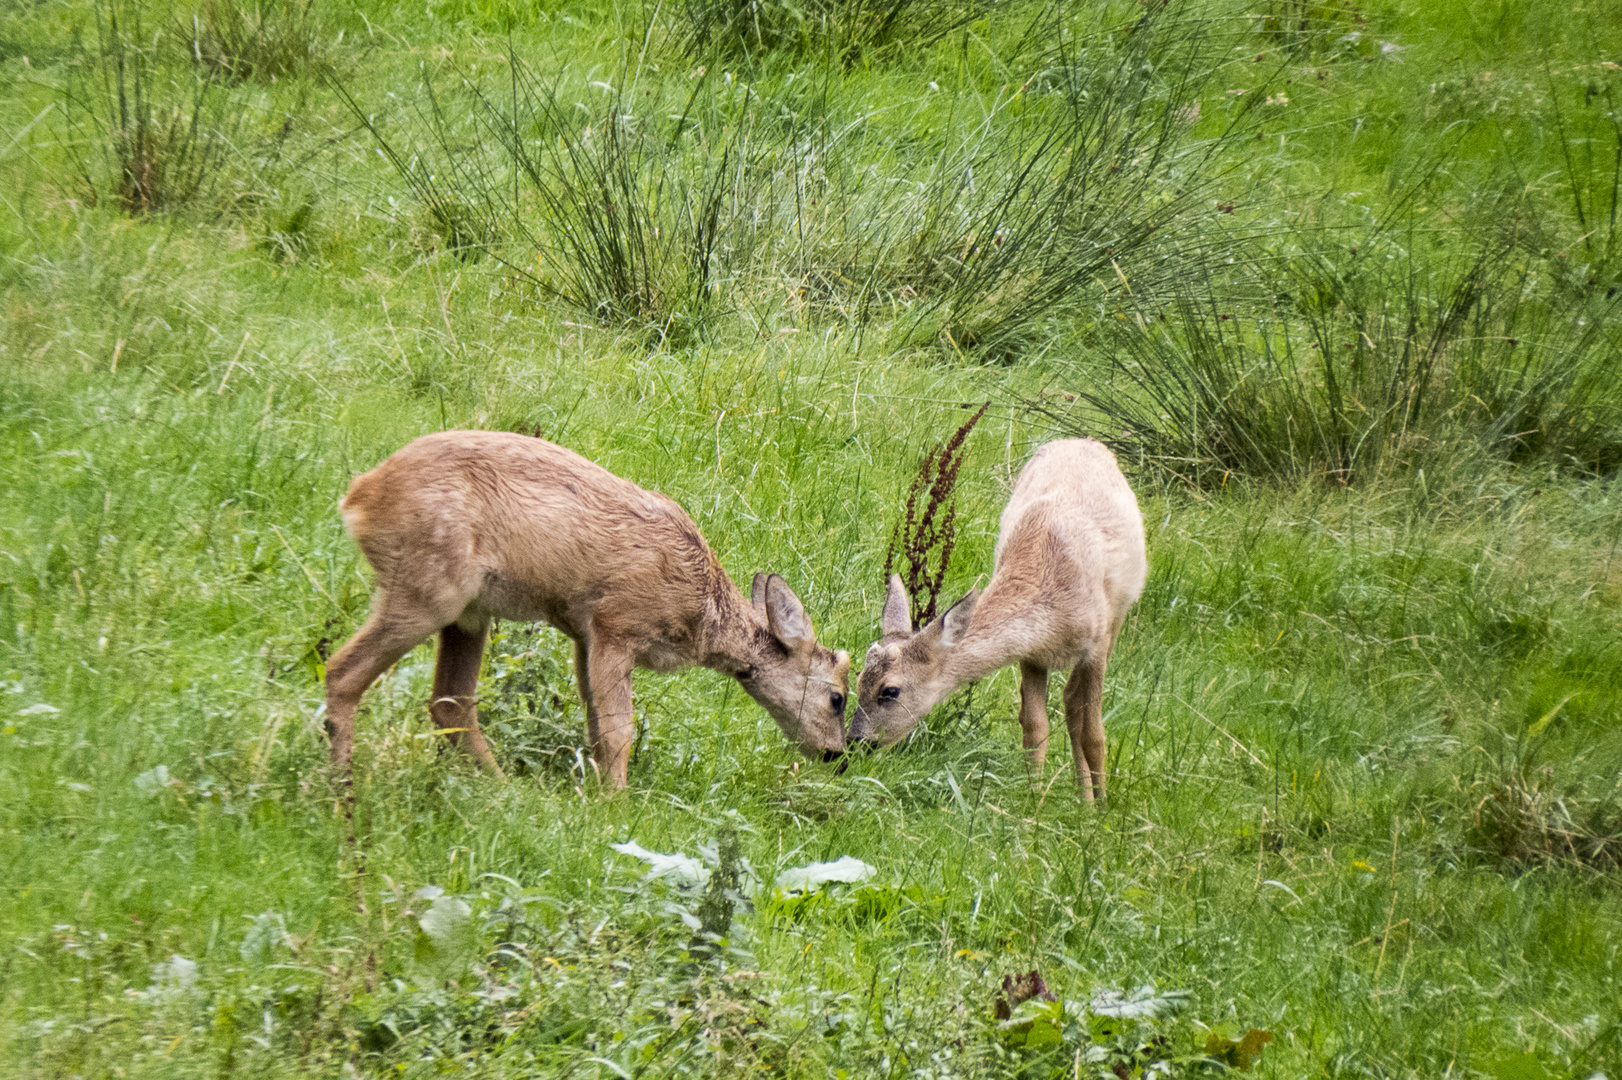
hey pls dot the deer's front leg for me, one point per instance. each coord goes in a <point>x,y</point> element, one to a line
<point>1033,714</point>
<point>610,725</point>
<point>1084,716</point>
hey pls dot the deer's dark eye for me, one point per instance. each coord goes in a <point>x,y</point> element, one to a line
<point>838,703</point>
<point>889,693</point>
<point>746,674</point>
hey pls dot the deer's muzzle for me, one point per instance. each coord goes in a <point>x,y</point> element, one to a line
<point>861,728</point>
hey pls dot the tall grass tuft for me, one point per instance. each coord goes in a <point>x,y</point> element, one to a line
<point>1519,817</point>
<point>1101,195</point>
<point>1521,825</point>
<point>1082,180</point>
<point>1316,31</point>
<point>623,214</point>
<point>263,41</point>
<point>1591,158</point>
<point>457,196</point>
<point>162,143</point>
<point>844,28</point>
<point>1373,360</point>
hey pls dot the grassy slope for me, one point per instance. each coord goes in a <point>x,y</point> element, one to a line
<point>1311,713</point>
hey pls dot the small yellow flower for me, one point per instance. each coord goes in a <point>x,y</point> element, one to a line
<point>1359,864</point>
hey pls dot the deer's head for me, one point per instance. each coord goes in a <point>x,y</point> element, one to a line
<point>906,673</point>
<point>802,684</point>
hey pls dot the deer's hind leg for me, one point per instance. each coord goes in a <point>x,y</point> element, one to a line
<point>1033,714</point>
<point>390,632</point>
<point>454,705</point>
<point>1084,716</point>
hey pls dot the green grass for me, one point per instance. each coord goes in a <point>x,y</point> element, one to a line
<point>1364,738</point>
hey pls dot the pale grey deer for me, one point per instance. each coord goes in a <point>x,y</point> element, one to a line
<point>1070,562</point>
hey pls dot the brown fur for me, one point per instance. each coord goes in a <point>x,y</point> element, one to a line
<point>1070,563</point>
<point>464,527</point>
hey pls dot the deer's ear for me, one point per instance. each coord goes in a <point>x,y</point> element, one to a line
<point>955,623</point>
<point>786,616</point>
<point>897,616</point>
<point>757,594</point>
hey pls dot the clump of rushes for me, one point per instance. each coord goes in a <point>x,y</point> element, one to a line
<point>624,215</point>
<point>1317,31</point>
<point>1519,819</point>
<point>1092,183</point>
<point>157,155</point>
<point>740,28</point>
<point>1379,363</point>
<point>263,41</point>
<point>462,216</point>
<point>923,539</point>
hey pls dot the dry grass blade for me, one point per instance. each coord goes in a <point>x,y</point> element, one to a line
<point>1519,823</point>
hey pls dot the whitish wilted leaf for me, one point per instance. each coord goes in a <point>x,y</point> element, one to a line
<point>446,934</point>
<point>806,878</point>
<point>446,920</point>
<point>1241,1053</point>
<point>152,781</point>
<point>41,709</point>
<point>1144,1002</point>
<point>267,933</point>
<point>174,976</point>
<point>677,868</point>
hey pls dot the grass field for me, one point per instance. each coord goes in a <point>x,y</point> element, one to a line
<point>1338,282</point>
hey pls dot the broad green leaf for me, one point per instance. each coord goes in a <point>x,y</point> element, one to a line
<point>1520,1066</point>
<point>1036,1024</point>
<point>1241,1053</point>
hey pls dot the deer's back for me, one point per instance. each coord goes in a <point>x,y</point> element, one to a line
<point>527,527</point>
<point>1072,532</point>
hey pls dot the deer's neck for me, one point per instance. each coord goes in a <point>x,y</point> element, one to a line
<point>1001,632</point>
<point>729,637</point>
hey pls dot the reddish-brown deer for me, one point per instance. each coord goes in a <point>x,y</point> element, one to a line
<point>464,527</point>
<point>1069,564</point>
